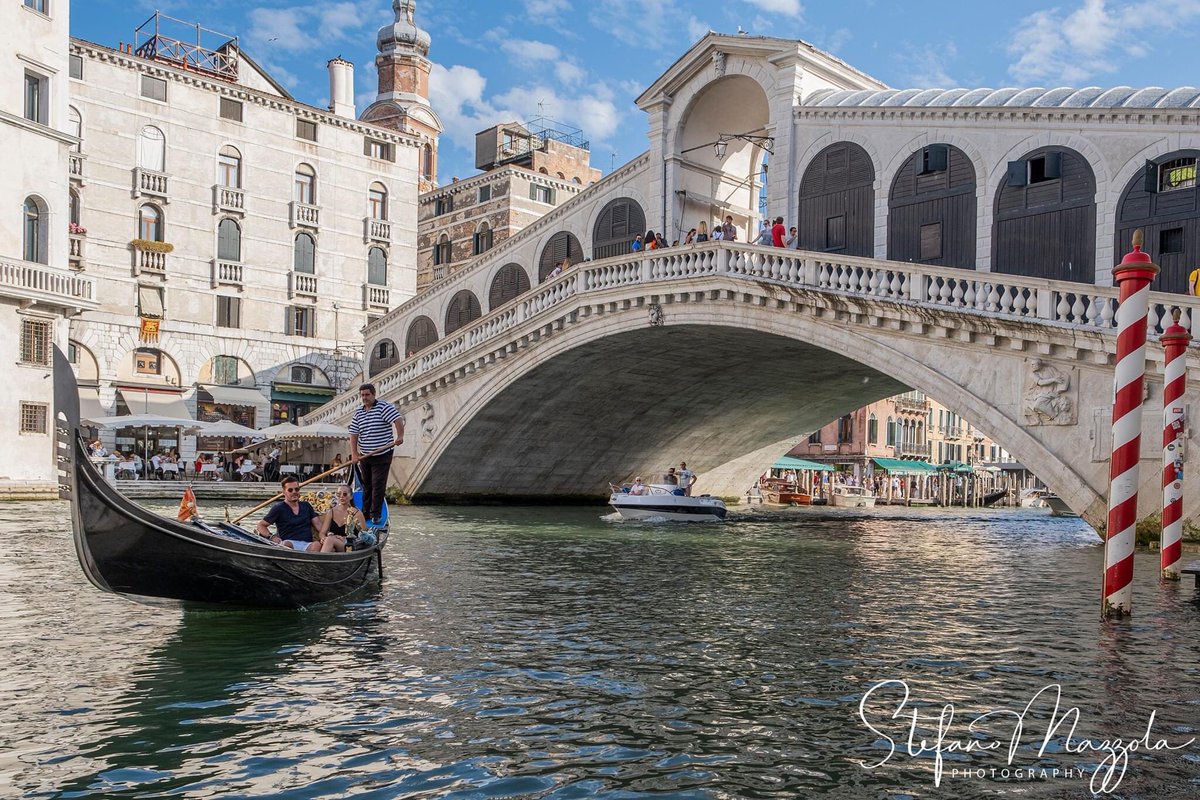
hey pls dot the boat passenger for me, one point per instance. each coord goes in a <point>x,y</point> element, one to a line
<point>340,521</point>
<point>294,519</point>
<point>671,479</point>
<point>638,487</point>
<point>686,478</point>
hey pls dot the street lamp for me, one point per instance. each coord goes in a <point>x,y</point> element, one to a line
<point>765,142</point>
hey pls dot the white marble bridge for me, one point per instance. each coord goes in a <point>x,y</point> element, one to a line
<point>723,354</point>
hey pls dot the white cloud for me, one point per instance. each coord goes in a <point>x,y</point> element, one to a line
<point>697,29</point>
<point>925,68</point>
<point>279,28</point>
<point>546,8</point>
<point>1072,47</point>
<point>458,95</point>
<point>569,73</point>
<point>528,52</point>
<point>790,8</point>
<point>339,19</point>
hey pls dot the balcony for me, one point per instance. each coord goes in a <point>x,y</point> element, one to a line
<point>75,167</point>
<point>226,273</point>
<point>75,243</point>
<point>228,198</point>
<point>377,230</point>
<point>151,262</point>
<point>913,450</point>
<point>38,283</point>
<point>304,215</point>
<point>375,297</point>
<point>910,405</point>
<point>951,431</point>
<point>302,285</point>
<point>151,184</point>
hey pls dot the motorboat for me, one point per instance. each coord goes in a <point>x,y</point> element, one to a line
<point>1032,498</point>
<point>667,502</point>
<point>1058,507</point>
<point>844,496</point>
<point>781,493</point>
<point>128,550</point>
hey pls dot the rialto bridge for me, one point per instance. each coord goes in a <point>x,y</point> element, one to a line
<point>957,242</point>
<point>724,354</point>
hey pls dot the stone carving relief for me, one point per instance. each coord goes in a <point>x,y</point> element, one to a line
<point>656,315</point>
<point>1049,394</point>
<point>428,425</point>
<point>718,60</point>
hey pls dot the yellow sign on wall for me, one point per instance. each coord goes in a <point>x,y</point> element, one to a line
<point>148,331</point>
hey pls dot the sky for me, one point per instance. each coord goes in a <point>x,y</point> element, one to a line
<point>583,62</point>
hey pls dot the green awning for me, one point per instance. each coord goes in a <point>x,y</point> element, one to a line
<point>899,466</point>
<point>788,462</point>
<point>955,466</point>
<point>301,393</point>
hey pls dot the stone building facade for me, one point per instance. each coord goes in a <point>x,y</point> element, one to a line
<point>241,238</point>
<point>38,292</point>
<point>526,173</point>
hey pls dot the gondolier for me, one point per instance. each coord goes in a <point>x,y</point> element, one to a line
<point>376,424</point>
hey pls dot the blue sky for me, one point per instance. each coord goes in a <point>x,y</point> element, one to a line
<point>585,61</point>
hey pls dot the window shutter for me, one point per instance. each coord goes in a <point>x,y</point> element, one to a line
<point>1017,173</point>
<point>1053,166</point>
<point>938,156</point>
<point>1151,177</point>
<point>533,191</point>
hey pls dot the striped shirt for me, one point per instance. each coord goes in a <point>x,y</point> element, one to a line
<point>373,426</point>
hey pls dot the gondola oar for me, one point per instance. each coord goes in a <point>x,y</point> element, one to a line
<point>314,478</point>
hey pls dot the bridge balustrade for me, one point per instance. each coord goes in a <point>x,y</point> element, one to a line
<point>983,293</point>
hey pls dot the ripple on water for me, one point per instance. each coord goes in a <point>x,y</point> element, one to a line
<point>556,653</point>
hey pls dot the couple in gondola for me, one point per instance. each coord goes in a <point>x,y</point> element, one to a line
<point>299,526</point>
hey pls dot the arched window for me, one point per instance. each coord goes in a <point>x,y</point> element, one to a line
<point>34,231</point>
<point>464,307</point>
<point>616,226</point>
<point>482,241</point>
<point>377,267</point>
<point>229,240</point>
<point>73,197</point>
<point>150,223</point>
<point>891,432</point>
<point>377,201</point>
<point>229,168</point>
<point>576,181</point>
<point>872,429</point>
<point>837,201</point>
<point>306,185</point>
<point>845,429</point>
<point>75,127</point>
<point>543,170</point>
<point>421,333</point>
<point>441,251</point>
<point>383,355</point>
<point>305,254</point>
<point>152,149</point>
<point>511,281</point>
<point>427,161</point>
<point>301,374</point>
<point>561,245</point>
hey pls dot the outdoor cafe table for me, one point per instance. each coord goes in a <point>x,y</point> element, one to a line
<point>209,469</point>
<point>170,468</point>
<point>127,466</point>
<point>288,469</point>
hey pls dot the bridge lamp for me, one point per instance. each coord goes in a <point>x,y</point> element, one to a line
<point>722,144</point>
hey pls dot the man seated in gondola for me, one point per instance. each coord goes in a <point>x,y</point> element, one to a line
<point>295,520</point>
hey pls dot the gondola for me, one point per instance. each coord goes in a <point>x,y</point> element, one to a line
<point>128,550</point>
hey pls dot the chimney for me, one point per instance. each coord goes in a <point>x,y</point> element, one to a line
<point>341,87</point>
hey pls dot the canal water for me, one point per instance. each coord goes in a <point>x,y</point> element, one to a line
<point>560,653</point>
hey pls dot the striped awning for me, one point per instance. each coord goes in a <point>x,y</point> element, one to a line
<point>899,466</point>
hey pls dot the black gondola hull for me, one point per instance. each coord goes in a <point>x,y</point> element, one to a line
<point>129,550</point>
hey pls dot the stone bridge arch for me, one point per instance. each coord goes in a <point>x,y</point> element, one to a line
<point>536,426</point>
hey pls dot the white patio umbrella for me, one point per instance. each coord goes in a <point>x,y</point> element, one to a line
<point>229,428</point>
<point>274,430</point>
<point>321,430</point>
<point>146,421</point>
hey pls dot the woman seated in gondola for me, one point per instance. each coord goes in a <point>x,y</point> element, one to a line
<point>340,521</point>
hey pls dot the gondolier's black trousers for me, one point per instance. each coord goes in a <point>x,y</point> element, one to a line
<point>374,472</point>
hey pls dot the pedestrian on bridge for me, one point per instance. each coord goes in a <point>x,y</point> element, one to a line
<point>375,425</point>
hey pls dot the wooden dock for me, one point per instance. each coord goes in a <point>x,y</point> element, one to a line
<point>1192,569</point>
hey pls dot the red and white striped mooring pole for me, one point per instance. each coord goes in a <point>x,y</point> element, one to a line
<point>1174,340</point>
<point>1133,276</point>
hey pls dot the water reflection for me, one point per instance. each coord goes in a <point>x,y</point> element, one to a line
<point>551,653</point>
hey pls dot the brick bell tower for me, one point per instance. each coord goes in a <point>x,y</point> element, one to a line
<point>403,99</point>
